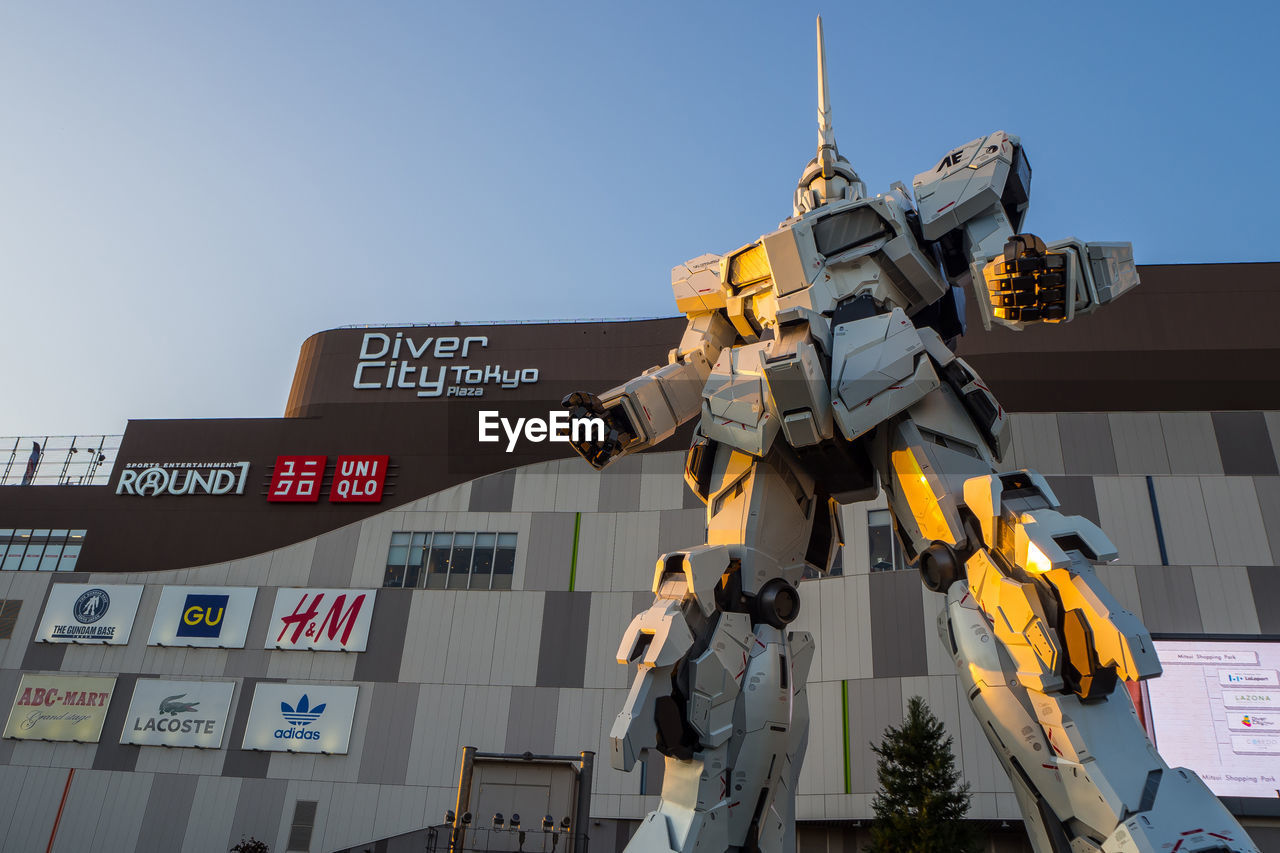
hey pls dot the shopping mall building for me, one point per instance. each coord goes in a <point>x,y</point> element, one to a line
<point>290,628</point>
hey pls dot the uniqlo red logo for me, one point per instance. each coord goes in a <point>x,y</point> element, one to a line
<point>358,479</point>
<point>297,479</point>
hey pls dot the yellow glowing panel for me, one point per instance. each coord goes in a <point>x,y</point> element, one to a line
<point>1037,561</point>
<point>748,266</point>
<point>920,497</point>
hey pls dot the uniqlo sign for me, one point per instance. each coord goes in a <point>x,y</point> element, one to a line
<point>296,479</point>
<point>358,479</point>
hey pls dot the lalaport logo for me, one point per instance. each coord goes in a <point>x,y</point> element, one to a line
<point>299,717</point>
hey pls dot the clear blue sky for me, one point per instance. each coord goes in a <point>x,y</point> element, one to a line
<point>187,191</point>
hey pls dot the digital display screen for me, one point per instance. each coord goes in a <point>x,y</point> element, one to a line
<point>1216,710</point>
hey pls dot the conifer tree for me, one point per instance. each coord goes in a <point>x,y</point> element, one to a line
<point>921,804</point>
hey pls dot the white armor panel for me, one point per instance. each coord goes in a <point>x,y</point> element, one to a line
<point>967,181</point>
<point>877,370</point>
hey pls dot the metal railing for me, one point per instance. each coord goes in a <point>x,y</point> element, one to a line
<point>57,460</point>
<point>576,320</point>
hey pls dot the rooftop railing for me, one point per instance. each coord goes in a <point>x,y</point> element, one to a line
<point>57,460</point>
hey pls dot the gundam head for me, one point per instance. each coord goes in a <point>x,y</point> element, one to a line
<point>828,177</point>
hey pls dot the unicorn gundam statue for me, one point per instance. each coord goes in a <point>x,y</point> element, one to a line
<point>819,360</point>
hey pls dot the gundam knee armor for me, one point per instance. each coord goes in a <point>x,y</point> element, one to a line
<point>720,694</point>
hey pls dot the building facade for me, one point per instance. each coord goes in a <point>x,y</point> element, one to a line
<point>499,575</point>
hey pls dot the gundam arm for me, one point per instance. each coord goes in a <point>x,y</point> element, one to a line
<point>648,409</point>
<point>973,204</point>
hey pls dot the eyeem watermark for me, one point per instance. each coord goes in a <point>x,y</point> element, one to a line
<point>557,426</point>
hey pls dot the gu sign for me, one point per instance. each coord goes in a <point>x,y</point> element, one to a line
<point>178,713</point>
<point>89,613</point>
<point>57,707</point>
<point>334,620</point>
<point>301,718</point>
<point>210,617</point>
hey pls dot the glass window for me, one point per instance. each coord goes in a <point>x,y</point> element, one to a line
<point>397,556</point>
<point>885,554</point>
<point>417,554</point>
<point>482,562</point>
<point>5,535</point>
<point>504,561</point>
<point>837,564</point>
<point>70,553</point>
<point>460,564</point>
<point>35,549</point>
<point>53,551</point>
<point>17,547</point>
<point>438,560</point>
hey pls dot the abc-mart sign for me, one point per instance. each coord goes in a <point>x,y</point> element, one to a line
<point>60,707</point>
<point>210,617</point>
<point>321,620</point>
<point>89,613</point>
<point>178,713</point>
<point>301,718</point>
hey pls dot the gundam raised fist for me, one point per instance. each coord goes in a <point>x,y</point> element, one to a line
<point>819,362</point>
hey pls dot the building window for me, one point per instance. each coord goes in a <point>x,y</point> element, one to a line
<point>9,610</point>
<point>40,550</point>
<point>458,560</point>
<point>304,820</point>
<point>886,553</point>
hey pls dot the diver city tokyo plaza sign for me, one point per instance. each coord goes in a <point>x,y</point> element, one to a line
<point>178,713</point>
<point>89,613</point>
<point>60,707</point>
<point>209,617</point>
<point>301,718</point>
<point>321,620</point>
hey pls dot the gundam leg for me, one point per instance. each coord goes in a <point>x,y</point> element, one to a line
<point>720,682</point>
<point>1040,644</point>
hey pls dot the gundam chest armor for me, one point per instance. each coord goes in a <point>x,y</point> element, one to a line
<point>818,361</point>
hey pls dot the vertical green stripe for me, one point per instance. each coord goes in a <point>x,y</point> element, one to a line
<point>573,566</point>
<point>844,724</point>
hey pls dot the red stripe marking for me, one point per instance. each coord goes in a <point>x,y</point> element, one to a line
<point>944,207</point>
<point>58,819</point>
<point>1223,837</point>
<point>1192,831</point>
<point>1176,846</point>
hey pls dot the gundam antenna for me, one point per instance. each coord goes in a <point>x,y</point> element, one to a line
<point>828,177</point>
<point>827,151</point>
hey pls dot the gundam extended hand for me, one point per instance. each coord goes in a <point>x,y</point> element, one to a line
<point>1028,283</point>
<point>619,432</point>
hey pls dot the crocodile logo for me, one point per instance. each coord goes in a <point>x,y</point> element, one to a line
<point>172,705</point>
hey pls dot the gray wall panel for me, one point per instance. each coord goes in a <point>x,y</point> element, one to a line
<point>620,485</point>
<point>380,660</point>
<point>532,724</point>
<point>43,656</point>
<point>1168,596</point>
<point>1264,581</point>
<point>1190,441</point>
<point>112,754</point>
<point>493,493</point>
<point>334,557</point>
<point>244,762</point>
<point>384,759</point>
<point>1139,443</point>
<point>549,551</point>
<point>1086,443</point>
<point>1268,491</point>
<point>1244,444</point>
<point>1077,496</point>
<point>680,528</point>
<point>259,810</point>
<point>897,625</point>
<point>562,652</point>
